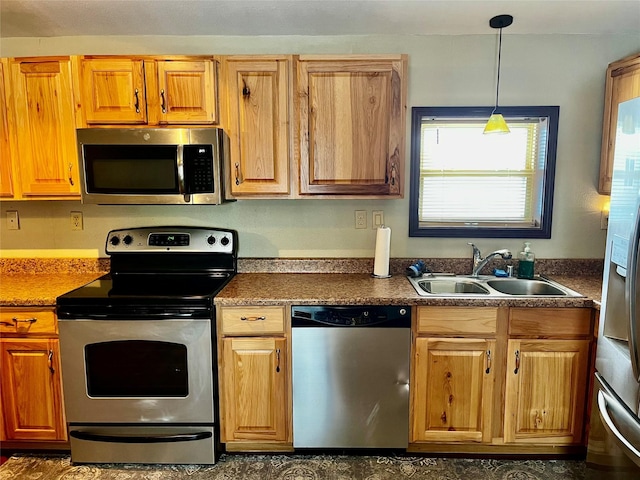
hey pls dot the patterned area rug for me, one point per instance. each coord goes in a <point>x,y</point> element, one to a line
<point>298,467</point>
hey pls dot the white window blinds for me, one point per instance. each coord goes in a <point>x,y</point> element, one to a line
<point>467,178</point>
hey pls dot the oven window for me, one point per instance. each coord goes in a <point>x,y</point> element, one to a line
<point>131,169</point>
<point>136,368</point>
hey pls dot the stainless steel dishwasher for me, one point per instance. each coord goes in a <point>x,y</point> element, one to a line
<point>351,376</point>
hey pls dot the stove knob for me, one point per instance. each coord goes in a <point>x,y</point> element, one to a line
<point>211,240</point>
<point>225,241</point>
<point>114,241</point>
<point>127,239</point>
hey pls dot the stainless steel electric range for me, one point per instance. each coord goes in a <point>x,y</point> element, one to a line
<point>138,348</point>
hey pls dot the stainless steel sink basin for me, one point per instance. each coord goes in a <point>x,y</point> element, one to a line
<point>452,286</point>
<point>444,285</point>
<point>519,286</point>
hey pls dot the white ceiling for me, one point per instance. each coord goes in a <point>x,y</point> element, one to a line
<point>52,18</point>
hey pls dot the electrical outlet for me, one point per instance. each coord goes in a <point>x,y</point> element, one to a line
<point>361,219</point>
<point>604,220</point>
<point>378,219</point>
<point>76,220</point>
<point>13,221</point>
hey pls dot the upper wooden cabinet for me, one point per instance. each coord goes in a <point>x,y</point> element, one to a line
<point>256,110</point>
<point>6,178</point>
<point>41,110</point>
<point>622,84</point>
<point>351,124</point>
<point>148,91</point>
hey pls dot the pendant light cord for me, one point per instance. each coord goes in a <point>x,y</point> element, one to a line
<point>498,79</point>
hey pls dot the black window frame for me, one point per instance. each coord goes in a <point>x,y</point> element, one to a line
<point>544,229</point>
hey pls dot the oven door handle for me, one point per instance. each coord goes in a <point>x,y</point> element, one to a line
<point>181,437</point>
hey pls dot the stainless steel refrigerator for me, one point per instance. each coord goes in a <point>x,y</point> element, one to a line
<point>614,438</point>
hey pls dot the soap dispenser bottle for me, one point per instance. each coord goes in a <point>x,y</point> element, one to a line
<point>526,259</point>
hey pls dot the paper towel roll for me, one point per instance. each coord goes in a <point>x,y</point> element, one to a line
<point>383,245</point>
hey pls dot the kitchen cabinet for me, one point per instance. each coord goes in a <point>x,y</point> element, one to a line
<point>622,83</point>
<point>256,108</point>
<point>503,379</point>
<point>6,178</point>
<point>547,375</point>
<point>41,109</point>
<point>453,377</point>
<point>351,124</point>
<point>255,385</point>
<point>148,90</point>
<point>31,400</point>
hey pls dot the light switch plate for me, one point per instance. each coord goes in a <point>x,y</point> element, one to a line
<point>378,219</point>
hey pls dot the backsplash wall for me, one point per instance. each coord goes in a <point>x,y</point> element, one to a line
<point>565,70</point>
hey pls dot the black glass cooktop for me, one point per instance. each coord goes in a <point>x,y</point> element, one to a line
<point>147,289</point>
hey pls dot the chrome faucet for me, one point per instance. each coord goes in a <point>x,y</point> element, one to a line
<point>479,262</point>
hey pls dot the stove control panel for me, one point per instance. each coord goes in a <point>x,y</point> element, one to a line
<point>174,239</point>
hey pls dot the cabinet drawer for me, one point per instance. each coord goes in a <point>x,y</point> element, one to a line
<point>252,320</point>
<point>550,322</point>
<point>26,321</point>
<point>457,320</point>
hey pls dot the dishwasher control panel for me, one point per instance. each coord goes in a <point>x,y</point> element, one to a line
<point>351,316</point>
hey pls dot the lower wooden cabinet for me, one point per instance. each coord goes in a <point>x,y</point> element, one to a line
<point>32,389</point>
<point>255,388</point>
<point>255,378</point>
<point>508,379</point>
<point>546,391</point>
<point>453,390</point>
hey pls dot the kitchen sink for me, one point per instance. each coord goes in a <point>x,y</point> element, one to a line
<point>444,285</point>
<point>452,286</point>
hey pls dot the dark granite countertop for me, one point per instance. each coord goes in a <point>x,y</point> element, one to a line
<point>352,288</point>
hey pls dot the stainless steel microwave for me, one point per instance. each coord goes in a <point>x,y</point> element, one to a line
<point>145,166</point>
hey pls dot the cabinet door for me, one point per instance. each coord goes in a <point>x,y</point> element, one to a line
<point>622,84</point>
<point>45,127</point>
<point>113,91</point>
<point>257,107</point>
<point>254,388</point>
<point>453,392</point>
<point>31,389</point>
<point>186,92</point>
<point>546,391</point>
<point>6,179</point>
<point>352,125</point>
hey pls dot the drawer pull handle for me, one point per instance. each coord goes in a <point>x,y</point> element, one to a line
<point>237,173</point>
<point>278,360</point>
<point>488,370</point>
<point>517,362</point>
<point>70,175</point>
<point>163,103</point>
<point>26,320</point>
<point>252,319</point>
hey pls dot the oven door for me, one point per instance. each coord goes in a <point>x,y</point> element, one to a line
<point>137,371</point>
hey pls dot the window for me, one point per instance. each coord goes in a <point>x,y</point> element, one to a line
<point>467,184</point>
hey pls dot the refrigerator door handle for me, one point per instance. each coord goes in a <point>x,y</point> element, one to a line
<point>613,414</point>
<point>631,296</point>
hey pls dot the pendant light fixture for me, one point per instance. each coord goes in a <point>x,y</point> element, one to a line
<point>496,123</point>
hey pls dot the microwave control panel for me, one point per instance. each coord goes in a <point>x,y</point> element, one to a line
<point>198,166</point>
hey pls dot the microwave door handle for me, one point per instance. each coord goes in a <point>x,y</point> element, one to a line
<point>181,181</point>
<point>631,295</point>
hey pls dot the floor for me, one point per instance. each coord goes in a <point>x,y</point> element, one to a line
<point>300,467</point>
